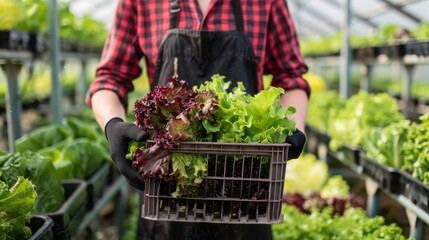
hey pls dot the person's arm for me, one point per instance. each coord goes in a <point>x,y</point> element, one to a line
<point>108,94</point>
<point>118,67</point>
<point>299,99</point>
<point>105,106</point>
<point>283,60</point>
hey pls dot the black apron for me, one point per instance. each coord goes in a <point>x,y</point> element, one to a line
<point>200,55</point>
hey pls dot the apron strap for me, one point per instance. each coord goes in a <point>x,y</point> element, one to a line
<point>236,7</point>
<point>174,13</point>
<point>238,15</point>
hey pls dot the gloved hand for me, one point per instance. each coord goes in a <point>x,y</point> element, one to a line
<point>119,134</point>
<point>297,142</point>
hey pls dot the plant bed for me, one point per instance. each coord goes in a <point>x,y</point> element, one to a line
<point>311,144</point>
<point>417,48</point>
<point>391,51</point>
<point>322,137</point>
<point>415,190</point>
<point>37,43</point>
<point>68,217</point>
<point>14,40</point>
<point>387,177</point>
<point>365,53</point>
<point>244,185</point>
<point>349,155</point>
<point>41,227</point>
<point>68,46</point>
<point>97,184</point>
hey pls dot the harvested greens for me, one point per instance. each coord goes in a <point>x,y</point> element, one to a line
<point>210,113</point>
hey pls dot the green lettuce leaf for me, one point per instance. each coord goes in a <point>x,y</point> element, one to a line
<point>16,207</point>
<point>42,137</point>
<point>189,170</point>
<point>41,172</point>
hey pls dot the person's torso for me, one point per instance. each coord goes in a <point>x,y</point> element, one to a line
<point>154,23</point>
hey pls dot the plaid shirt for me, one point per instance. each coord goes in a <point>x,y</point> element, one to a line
<point>139,26</point>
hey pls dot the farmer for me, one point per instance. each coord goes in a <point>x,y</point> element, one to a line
<point>239,39</point>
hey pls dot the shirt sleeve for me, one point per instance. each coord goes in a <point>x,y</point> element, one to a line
<point>119,63</point>
<point>283,56</point>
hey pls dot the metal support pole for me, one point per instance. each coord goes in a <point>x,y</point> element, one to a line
<point>417,226</point>
<point>13,103</point>
<point>56,96</point>
<point>406,89</point>
<point>373,197</point>
<point>345,51</point>
<point>366,71</point>
<point>81,85</point>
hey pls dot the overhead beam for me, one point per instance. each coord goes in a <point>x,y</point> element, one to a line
<point>315,14</point>
<point>354,15</point>
<point>380,10</point>
<point>400,8</point>
<point>318,15</point>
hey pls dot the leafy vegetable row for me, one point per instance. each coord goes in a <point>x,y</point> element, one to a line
<point>30,179</point>
<point>322,224</point>
<point>373,123</point>
<point>32,15</point>
<point>388,34</point>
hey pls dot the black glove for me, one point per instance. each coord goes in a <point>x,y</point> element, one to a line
<point>119,134</point>
<point>297,142</point>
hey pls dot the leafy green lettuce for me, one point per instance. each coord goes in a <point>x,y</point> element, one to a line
<point>324,225</point>
<point>416,149</point>
<point>305,175</point>
<point>41,172</point>
<point>16,207</point>
<point>323,107</point>
<point>244,118</point>
<point>362,112</point>
<point>189,171</point>
<point>385,145</point>
<point>42,137</point>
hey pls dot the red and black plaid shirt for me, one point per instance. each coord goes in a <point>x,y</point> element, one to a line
<point>139,26</point>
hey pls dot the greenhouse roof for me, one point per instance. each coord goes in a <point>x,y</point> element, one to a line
<point>324,17</point>
<point>313,17</point>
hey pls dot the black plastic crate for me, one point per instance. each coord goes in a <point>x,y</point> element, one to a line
<point>322,137</point>
<point>238,188</point>
<point>417,48</point>
<point>14,40</point>
<point>311,144</point>
<point>349,155</point>
<point>97,184</point>
<point>365,53</point>
<point>415,190</point>
<point>37,43</point>
<point>394,51</point>
<point>41,227</point>
<point>68,217</point>
<point>387,177</point>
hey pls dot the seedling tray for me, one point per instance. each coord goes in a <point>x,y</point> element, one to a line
<point>41,227</point>
<point>322,137</point>
<point>349,155</point>
<point>394,51</point>
<point>37,43</point>
<point>415,190</point>
<point>67,218</point>
<point>387,177</point>
<point>417,48</point>
<point>14,40</point>
<point>238,188</point>
<point>98,183</point>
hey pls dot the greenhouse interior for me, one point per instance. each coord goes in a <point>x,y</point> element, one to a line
<point>363,172</point>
